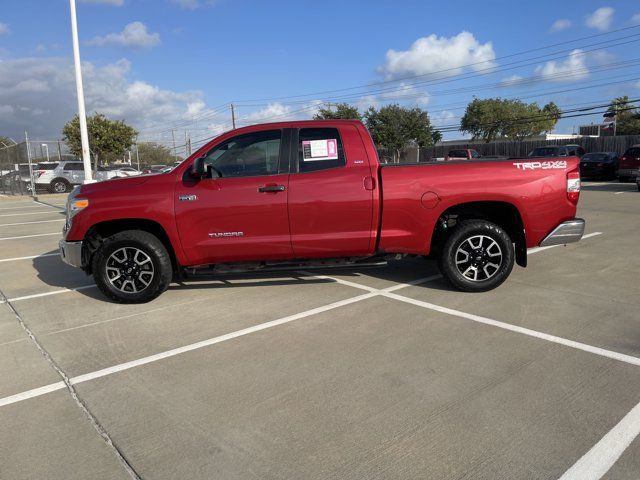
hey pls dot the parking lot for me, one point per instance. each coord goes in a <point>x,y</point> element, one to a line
<point>380,372</point>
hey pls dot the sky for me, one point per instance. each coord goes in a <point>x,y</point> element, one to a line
<point>172,67</point>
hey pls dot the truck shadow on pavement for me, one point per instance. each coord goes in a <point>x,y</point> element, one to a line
<point>52,271</point>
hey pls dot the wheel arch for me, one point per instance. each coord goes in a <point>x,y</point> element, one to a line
<point>98,232</point>
<point>504,214</point>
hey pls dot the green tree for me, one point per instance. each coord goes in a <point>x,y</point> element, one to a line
<point>397,127</point>
<point>343,111</point>
<point>108,139</point>
<point>627,116</point>
<point>151,153</point>
<point>491,118</point>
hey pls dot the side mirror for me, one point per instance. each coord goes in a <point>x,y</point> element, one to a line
<point>199,168</point>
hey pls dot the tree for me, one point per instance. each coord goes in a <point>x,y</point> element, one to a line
<point>627,116</point>
<point>152,153</point>
<point>343,111</point>
<point>108,139</point>
<point>397,127</point>
<point>495,117</point>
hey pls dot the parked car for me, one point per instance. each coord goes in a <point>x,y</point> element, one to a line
<point>302,193</point>
<point>125,171</point>
<point>155,169</point>
<point>576,150</point>
<point>629,165</point>
<point>599,165</point>
<point>59,177</point>
<point>549,151</point>
<point>462,154</point>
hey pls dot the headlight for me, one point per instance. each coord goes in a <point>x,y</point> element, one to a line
<point>74,205</point>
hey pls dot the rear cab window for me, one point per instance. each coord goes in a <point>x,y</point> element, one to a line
<point>320,149</point>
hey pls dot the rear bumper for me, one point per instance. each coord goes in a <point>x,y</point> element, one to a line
<point>566,232</point>
<point>629,172</point>
<point>71,253</point>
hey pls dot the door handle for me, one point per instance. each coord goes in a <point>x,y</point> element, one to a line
<point>271,188</point>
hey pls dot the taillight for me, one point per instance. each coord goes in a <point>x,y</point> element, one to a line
<point>573,186</point>
<point>38,173</point>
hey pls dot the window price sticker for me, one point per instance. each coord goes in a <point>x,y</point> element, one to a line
<point>316,150</point>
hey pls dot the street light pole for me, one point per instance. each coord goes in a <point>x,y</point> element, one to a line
<point>84,136</point>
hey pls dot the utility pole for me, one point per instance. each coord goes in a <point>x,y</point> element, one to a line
<point>47,149</point>
<point>137,157</point>
<point>233,116</point>
<point>84,136</point>
<point>175,153</point>
<point>59,152</point>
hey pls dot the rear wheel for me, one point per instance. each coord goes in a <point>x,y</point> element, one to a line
<point>478,256</point>
<point>132,267</point>
<point>60,185</point>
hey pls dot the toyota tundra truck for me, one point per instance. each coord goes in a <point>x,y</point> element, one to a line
<point>302,193</point>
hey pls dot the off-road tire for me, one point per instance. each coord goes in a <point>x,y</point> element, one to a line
<point>152,247</point>
<point>474,229</point>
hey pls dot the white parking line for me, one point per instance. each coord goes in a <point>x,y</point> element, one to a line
<point>27,205</point>
<point>36,392</point>
<point>31,223</point>
<point>30,236</point>
<point>43,212</point>
<point>29,258</point>
<point>619,193</point>
<point>597,461</point>
<point>621,357</point>
<point>47,294</point>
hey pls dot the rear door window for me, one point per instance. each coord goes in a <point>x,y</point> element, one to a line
<point>47,166</point>
<point>458,153</point>
<point>320,149</point>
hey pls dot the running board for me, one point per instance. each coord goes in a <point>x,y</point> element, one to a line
<point>225,269</point>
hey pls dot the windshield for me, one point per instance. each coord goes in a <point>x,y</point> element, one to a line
<point>545,152</point>
<point>458,153</point>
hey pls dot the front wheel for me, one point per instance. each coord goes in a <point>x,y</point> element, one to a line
<point>132,267</point>
<point>478,256</point>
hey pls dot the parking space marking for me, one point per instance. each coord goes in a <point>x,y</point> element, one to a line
<point>46,294</point>
<point>180,350</point>
<point>42,212</point>
<point>31,223</point>
<point>15,259</point>
<point>619,193</point>
<point>621,357</point>
<point>30,236</point>
<point>601,457</point>
<point>540,249</point>
<point>20,206</point>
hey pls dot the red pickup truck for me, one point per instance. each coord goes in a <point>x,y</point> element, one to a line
<point>313,192</point>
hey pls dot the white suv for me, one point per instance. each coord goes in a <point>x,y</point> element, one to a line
<point>59,177</point>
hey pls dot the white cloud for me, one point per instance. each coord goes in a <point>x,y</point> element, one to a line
<point>511,81</point>
<point>4,28</point>
<point>35,86</point>
<point>600,19</point>
<point>635,19</point>
<point>115,3</point>
<point>442,118</point>
<point>192,4</point>
<point>561,24</point>
<point>571,69</point>
<point>134,35</point>
<point>433,54</point>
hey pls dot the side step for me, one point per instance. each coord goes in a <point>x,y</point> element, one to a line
<point>257,267</point>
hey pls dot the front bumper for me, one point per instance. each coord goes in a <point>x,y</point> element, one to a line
<point>566,232</point>
<point>71,253</point>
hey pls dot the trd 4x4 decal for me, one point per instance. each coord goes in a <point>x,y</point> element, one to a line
<point>548,165</point>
